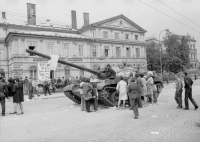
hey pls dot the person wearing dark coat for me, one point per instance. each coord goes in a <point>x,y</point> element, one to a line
<point>46,85</point>
<point>188,92</point>
<point>11,92</point>
<point>30,89</point>
<point>140,87</point>
<point>94,94</point>
<point>133,92</point>
<point>19,96</point>
<point>87,94</point>
<point>3,95</point>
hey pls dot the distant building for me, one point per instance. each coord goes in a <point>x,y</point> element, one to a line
<point>112,41</point>
<point>191,45</point>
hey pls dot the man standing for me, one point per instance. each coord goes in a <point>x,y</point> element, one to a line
<point>30,89</point>
<point>188,92</point>
<point>53,82</point>
<point>133,92</point>
<point>129,82</point>
<point>26,85</point>
<point>179,90</point>
<point>3,95</point>
<point>140,87</point>
<point>46,87</point>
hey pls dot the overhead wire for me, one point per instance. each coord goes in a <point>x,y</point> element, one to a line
<point>44,6</point>
<point>179,13</point>
<point>15,13</point>
<point>169,16</point>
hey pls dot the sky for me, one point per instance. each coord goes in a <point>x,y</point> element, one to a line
<point>142,12</point>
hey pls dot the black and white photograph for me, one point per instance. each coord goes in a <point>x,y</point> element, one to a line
<point>99,71</point>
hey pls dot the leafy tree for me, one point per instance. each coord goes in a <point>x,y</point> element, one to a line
<point>178,53</point>
<point>153,58</point>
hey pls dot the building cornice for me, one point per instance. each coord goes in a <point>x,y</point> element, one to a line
<point>12,34</point>
<point>39,28</point>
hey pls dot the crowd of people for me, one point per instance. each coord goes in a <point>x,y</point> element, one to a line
<point>13,91</point>
<point>139,90</point>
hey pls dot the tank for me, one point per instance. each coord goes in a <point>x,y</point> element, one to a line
<point>106,87</point>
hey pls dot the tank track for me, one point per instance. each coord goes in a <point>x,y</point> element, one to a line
<point>106,102</point>
<point>72,97</point>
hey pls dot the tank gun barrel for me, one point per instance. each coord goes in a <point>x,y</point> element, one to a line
<point>63,62</point>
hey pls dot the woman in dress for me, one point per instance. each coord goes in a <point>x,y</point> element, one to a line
<point>150,86</point>
<point>144,89</point>
<point>122,89</point>
<point>18,97</point>
<point>11,92</point>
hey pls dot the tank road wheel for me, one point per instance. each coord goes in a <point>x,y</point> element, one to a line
<point>114,97</point>
<point>73,97</point>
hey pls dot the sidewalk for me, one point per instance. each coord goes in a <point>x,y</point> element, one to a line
<point>173,83</point>
<point>42,96</point>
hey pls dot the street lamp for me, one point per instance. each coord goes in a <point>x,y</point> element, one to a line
<point>167,30</point>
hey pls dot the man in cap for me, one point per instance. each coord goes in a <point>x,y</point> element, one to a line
<point>133,93</point>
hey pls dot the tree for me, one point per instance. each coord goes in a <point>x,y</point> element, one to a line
<point>178,53</point>
<point>153,57</point>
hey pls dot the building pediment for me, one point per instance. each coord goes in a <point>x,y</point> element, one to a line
<point>119,22</point>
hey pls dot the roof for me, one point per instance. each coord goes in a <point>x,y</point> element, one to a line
<point>47,34</point>
<point>113,18</point>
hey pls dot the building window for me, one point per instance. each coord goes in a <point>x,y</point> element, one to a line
<point>80,50</point>
<point>137,52</point>
<point>118,52</point>
<point>33,72</point>
<point>31,48</point>
<point>106,51</point>
<point>65,51</point>
<point>82,73</point>
<point>67,71</point>
<point>105,34</point>
<point>116,35</point>
<point>50,47</point>
<point>126,36</point>
<point>94,51</point>
<point>128,52</point>
<point>136,37</point>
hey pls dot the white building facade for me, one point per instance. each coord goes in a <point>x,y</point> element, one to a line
<point>112,41</point>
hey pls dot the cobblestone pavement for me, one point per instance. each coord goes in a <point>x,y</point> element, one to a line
<point>60,120</point>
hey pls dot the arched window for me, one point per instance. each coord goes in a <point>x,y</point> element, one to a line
<point>33,72</point>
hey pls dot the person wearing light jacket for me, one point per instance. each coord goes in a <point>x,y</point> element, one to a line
<point>178,92</point>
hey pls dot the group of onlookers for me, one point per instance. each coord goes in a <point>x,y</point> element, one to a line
<point>138,88</point>
<point>13,91</point>
<point>89,94</point>
<point>188,91</point>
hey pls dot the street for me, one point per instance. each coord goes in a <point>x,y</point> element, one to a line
<point>60,120</point>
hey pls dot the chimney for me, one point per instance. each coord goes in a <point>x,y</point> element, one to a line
<point>48,22</point>
<point>74,23</point>
<point>86,19</point>
<point>31,14</point>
